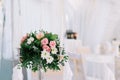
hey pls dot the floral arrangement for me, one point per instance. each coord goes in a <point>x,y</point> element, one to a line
<point>41,50</point>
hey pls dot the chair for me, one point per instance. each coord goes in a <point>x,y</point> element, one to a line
<point>98,67</point>
<point>84,50</point>
<point>117,67</point>
<point>105,48</point>
<point>116,49</point>
<point>76,66</point>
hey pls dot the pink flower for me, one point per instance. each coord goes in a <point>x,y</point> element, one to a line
<point>47,48</point>
<point>52,44</point>
<point>39,35</point>
<point>24,38</point>
<point>44,41</point>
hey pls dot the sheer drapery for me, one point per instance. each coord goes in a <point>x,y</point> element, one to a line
<point>72,16</point>
<point>94,20</point>
<point>98,20</point>
<point>6,42</point>
<point>99,67</point>
<point>87,17</point>
<point>95,15</point>
<point>1,28</point>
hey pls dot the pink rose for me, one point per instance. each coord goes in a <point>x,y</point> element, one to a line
<point>44,41</point>
<point>52,44</point>
<point>39,35</point>
<point>24,38</point>
<point>47,48</point>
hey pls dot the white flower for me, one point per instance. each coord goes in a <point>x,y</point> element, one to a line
<point>50,59</point>
<point>30,40</point>
<point>45,54</point>
<point>34,47</point>
<point>54,50</point>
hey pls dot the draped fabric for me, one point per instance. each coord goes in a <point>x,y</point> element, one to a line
<point>1,28</point>
<point>95,16</point>
<point>6,42</point>
<point>100,20</point>
<point>99,67</point>
<point>95,21</point>
<point>72,16</point>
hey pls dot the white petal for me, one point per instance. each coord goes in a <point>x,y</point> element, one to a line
<point>32,39</point>
<point>28,42</point>
<point>45,54</point>
<point>49,59</point>
<point>54,50</point>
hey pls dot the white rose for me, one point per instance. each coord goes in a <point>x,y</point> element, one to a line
<point>49,59</point>
<point>30,40</point>
<point>54,50</point>
<point>45,54</point>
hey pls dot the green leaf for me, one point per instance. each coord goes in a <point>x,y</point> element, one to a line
<point>54,37</point>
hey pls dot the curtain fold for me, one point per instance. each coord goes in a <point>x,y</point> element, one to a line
<point>94,17</point>
<point>6,43</point>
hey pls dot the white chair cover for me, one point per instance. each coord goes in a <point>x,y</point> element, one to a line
<point>98,67</point>
<point>76,66</point>
<point>67,72</point>
<point>116,45</point>
<point>106,48</point>
<point>17,73</point>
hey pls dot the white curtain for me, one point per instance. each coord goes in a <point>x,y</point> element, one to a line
<point>6,42</point>
<point>95,20</point>
<point>95,16</point>
<point>72,16</point>
<point>1,28</point>
<point>99,21</point>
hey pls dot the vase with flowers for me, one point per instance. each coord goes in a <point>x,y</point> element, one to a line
<point>41,50</point>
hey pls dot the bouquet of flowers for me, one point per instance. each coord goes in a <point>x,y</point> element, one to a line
<point>42,50</point>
